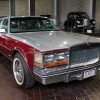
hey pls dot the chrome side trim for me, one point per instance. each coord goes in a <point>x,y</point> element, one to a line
<point>5,47</point>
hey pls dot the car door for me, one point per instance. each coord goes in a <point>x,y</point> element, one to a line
<point>0,35</point>
<point>4,38</point>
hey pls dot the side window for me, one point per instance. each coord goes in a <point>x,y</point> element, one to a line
<point>0,23</point>
<point>5,25</point>
<point>5,22</point>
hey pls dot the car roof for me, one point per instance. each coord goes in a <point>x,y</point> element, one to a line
<point>77,12</point>
<point>24,17</point>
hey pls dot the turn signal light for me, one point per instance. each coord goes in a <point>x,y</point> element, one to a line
<point>51,64</point>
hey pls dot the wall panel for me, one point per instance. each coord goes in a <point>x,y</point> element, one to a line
<point>44,7</point>
<point>4,8</point>
<point>97,14</point>
<point>21,7</point>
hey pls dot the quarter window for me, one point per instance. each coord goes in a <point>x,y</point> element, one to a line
<point>5,25</point>
<point>0,22</point>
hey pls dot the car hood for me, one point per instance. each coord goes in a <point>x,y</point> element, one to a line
<point>52,40</point>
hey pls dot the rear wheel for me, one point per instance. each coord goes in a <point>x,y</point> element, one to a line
<point>21,72</point>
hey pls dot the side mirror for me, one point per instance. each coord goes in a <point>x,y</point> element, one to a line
<point>2,30</point>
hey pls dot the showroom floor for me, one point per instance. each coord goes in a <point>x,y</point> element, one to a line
<point>88,89</point>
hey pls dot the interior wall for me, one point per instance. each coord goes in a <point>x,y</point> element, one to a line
<point>4,8</point>
<point>69,6</point>
<point>47,7</point>
<point>97,15</point>
<point>44,7</point>
<point>86,5</point>
<point>21,7</point>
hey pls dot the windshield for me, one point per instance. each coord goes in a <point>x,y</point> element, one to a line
<point>78,15</point>
<point>31,24</point>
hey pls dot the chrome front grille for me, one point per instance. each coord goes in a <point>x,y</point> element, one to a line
<point>84,57</point>
<point>85,22</point>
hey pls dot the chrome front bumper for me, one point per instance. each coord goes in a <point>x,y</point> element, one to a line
<point>65,75</point>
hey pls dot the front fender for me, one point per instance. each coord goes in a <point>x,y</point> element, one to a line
<point>27,54</point>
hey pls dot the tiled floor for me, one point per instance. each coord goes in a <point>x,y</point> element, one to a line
<point>88,89</point>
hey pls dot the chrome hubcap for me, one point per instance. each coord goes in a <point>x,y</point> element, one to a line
<point>18,71</point>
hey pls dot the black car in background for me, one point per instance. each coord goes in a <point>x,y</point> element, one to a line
<point>79,22</point>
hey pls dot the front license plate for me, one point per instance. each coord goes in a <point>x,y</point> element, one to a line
<point>89,73</point>
<point>89,31</point>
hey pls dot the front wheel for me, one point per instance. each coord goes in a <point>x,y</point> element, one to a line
<point>21,72</point>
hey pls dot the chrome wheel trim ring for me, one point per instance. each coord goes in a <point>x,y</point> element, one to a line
<point>18,71</point>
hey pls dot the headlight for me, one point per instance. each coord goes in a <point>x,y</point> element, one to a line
<point>94,22</point>
<point>51,60</point>
<point>56,59</point>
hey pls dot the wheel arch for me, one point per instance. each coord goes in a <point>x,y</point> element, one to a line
<point>27,81</point>
<point>15,51</point>
<point>22,52</point>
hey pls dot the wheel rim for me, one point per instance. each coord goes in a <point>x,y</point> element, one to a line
<point>18,71</point>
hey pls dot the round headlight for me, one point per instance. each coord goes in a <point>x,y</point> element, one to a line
<point>94,22</point>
